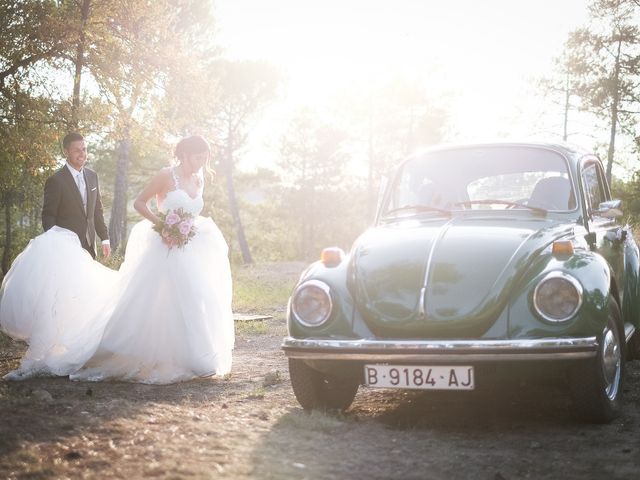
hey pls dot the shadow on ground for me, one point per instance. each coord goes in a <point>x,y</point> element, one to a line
<point>45,410</point>
<point>511,431</point>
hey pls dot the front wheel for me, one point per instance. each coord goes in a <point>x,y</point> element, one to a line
<point>315,390</point>
<point>597,384</point>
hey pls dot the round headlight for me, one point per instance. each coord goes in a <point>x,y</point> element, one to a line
<point>311,303</point>
<point>557,297</point>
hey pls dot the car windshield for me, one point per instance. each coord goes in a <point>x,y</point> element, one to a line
<point>482,178</point>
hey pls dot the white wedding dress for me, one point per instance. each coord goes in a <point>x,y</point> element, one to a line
<point>164,317</point>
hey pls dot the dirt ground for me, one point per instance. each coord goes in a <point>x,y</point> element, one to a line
<point>249,425</point>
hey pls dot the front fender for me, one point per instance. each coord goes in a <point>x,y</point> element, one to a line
<point>593,273</point>
<point>341,321</point>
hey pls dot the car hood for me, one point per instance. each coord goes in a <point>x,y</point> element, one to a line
<point>443,277</point>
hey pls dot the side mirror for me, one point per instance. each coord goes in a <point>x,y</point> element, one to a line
<point>609,209</point>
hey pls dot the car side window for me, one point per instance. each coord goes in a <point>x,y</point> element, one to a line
<point>593,185</point>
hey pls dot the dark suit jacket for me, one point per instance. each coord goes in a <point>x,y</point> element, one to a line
<point>63,207</point>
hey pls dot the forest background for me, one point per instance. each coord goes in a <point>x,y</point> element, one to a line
<point>135,76</point>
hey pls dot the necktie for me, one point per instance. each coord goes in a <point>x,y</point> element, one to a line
<point>82,187</point>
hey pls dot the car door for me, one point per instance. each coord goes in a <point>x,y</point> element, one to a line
<point>606,235</point>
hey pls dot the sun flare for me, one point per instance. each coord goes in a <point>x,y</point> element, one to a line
<point>480,54</point>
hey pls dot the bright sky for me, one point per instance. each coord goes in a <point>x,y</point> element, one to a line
<point>485,52</point>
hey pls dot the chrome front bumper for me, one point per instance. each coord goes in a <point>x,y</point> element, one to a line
<point>440,350</point>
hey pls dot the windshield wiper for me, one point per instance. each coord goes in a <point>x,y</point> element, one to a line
<point>418,209</point>
<point>491,201</point>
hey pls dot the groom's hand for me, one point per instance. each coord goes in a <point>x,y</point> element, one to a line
<point>106,250</point>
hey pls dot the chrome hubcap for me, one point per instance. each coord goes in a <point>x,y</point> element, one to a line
<point>611,361</point>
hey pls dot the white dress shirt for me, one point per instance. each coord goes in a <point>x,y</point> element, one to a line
<point>78,176</point>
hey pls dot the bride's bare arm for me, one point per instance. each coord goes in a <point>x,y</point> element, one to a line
<point>157,186</point>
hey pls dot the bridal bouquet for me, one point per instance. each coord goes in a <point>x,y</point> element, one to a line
<point>176,228</point>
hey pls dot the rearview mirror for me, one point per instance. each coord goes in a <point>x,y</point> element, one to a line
<point>609,209</point>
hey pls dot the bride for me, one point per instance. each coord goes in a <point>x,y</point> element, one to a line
<point>164,317</point>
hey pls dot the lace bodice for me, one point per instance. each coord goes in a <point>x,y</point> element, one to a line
<point>179,198</point>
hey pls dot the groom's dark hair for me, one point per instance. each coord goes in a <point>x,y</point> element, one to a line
<point>69,138</point>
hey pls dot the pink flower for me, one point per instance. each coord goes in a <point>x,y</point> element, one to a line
<point>184,227</point>
<point>172,218</point>
<point>176,228</point>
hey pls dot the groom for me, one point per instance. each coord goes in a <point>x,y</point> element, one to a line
<point>72,198</point>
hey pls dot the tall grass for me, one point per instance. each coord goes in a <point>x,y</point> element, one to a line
<point>264,288</point>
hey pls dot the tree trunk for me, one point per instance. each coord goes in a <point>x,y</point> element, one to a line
<point>118,221</point>
<point>233,204</point>
<point>612,140</point>
<point>371,201</point>
<point>8,239</point>
<point>615,102</point>
<point>79,64</point>
<point>567,97</point>
<point>312,220</point>
<point>304,211</point>
<point>306,219</point>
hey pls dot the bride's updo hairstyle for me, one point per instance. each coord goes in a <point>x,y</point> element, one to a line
<point>192,146</point>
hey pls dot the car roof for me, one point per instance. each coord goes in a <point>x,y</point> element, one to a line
<point>564,148</point>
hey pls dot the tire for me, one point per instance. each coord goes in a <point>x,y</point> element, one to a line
<point>597,384</point>
<point>315,390</point>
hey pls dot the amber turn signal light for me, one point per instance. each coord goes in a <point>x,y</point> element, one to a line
<point>562,247</point>
<point>331,256</point>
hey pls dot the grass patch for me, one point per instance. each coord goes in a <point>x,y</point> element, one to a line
<point>5,340</point>
<point>249,327</point>
<point>256,394</point>
<point>264,288</point>
<point>114,261</point>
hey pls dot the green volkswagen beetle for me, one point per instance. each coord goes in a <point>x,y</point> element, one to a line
<point>481,257</point>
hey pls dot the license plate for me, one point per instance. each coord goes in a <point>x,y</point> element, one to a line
<point>420,377</point>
